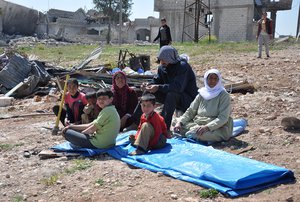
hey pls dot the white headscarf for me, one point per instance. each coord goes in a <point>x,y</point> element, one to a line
<point>207,92</point>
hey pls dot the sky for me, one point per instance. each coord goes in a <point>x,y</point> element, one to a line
<point>286,20</point>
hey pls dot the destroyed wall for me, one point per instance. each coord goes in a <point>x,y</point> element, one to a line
<point>18,19</point>
<point>232,20</point>
<point>143,29</point>
<point>146,29</point>
<point>70,26</point>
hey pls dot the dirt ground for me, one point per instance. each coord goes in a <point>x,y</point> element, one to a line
<point>277,81</point>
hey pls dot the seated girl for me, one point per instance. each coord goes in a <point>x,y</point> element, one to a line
<point>74,104</point>
<point>125,98</point>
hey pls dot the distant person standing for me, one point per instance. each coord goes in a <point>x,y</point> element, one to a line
<point>264,34</point>
<point>164,34</point>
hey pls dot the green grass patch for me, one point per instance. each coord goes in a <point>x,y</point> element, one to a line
<point>208,193</point>
<point>100,182</point>
<point>18,199</point>
<point>70,55</point>
<point>79,164</point>
<point>51,180</point>
<point>5,146</point>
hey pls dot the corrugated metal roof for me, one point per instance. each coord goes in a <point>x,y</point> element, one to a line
<point>15,71</point>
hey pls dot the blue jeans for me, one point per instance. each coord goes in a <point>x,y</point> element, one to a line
<point>79,139</point>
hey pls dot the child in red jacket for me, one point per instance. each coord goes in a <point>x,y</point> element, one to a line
<point>152,130</point>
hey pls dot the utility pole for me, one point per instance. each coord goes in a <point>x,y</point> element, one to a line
<point>120,22</point>
<point>194,12</point>
<point>298,26</point>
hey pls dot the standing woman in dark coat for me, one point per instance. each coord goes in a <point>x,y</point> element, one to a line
<point>125,98</point>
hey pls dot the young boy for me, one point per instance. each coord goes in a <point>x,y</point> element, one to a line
<point>102,132</point>
<point>91,110</point>
<point>152,130</point>
<point>74,104</point>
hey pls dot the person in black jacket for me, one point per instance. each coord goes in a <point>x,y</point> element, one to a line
<point>174,85</point>
<point>164,34</point>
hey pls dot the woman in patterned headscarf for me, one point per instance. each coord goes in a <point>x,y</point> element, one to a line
<point>208,117</point>
<point>125,98</point>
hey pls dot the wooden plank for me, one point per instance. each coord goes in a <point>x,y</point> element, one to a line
<point>48,153</point>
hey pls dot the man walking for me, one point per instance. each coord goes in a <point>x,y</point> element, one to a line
<point>164,34</point>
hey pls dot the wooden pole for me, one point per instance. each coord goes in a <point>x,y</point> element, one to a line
<point>56,128</point>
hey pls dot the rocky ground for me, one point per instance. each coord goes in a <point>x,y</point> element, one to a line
<point>277,80</point>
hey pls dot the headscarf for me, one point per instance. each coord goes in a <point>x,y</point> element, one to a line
<point>168,54</point>
<point>120,94</point>
<point>207,92</point>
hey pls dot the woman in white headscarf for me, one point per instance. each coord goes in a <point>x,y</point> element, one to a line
<point>208,117</point>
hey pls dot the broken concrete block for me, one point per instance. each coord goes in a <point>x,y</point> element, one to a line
<point>6,101</point>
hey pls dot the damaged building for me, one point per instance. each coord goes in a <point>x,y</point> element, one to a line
<point>75,26</point>
<point>228,20</point>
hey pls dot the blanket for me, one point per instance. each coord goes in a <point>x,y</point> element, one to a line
<point>230,174</point>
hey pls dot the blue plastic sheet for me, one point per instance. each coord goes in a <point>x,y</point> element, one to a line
<point>230,174</point>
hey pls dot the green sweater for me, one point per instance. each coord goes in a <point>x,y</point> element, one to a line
<point>214,113</point>
<point>108,126</point>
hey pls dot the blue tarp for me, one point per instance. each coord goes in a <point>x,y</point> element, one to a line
<point>230,174</point>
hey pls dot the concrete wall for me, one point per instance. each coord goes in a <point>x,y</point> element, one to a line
<point>18,19</point>
<point>232,19</point>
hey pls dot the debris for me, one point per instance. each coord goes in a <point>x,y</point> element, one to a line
<point>37,98</point>
<point>160,174</point>
<point>25,115</point>
<point>290,123</point>
<point>58,84</point>
<point>94,55</point>
<point>22,77</point>
<point>272,117</point>
<point>46,154</point>
<point>14,89</point>
<point>26,154</point>
<point>284,39</point>
<point>6,101</point>
<point>243,150</point>
<point>174,196</point>
<point>240,87</point>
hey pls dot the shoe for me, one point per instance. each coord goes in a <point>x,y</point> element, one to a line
<point>137,152</point>
<point>131,127</point>
<point>131,139</point>
<point>169,134</point>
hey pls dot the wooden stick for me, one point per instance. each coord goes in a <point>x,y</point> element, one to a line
<point>26,115</point>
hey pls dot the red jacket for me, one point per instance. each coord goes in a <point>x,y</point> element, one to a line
<point>159,125</point>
